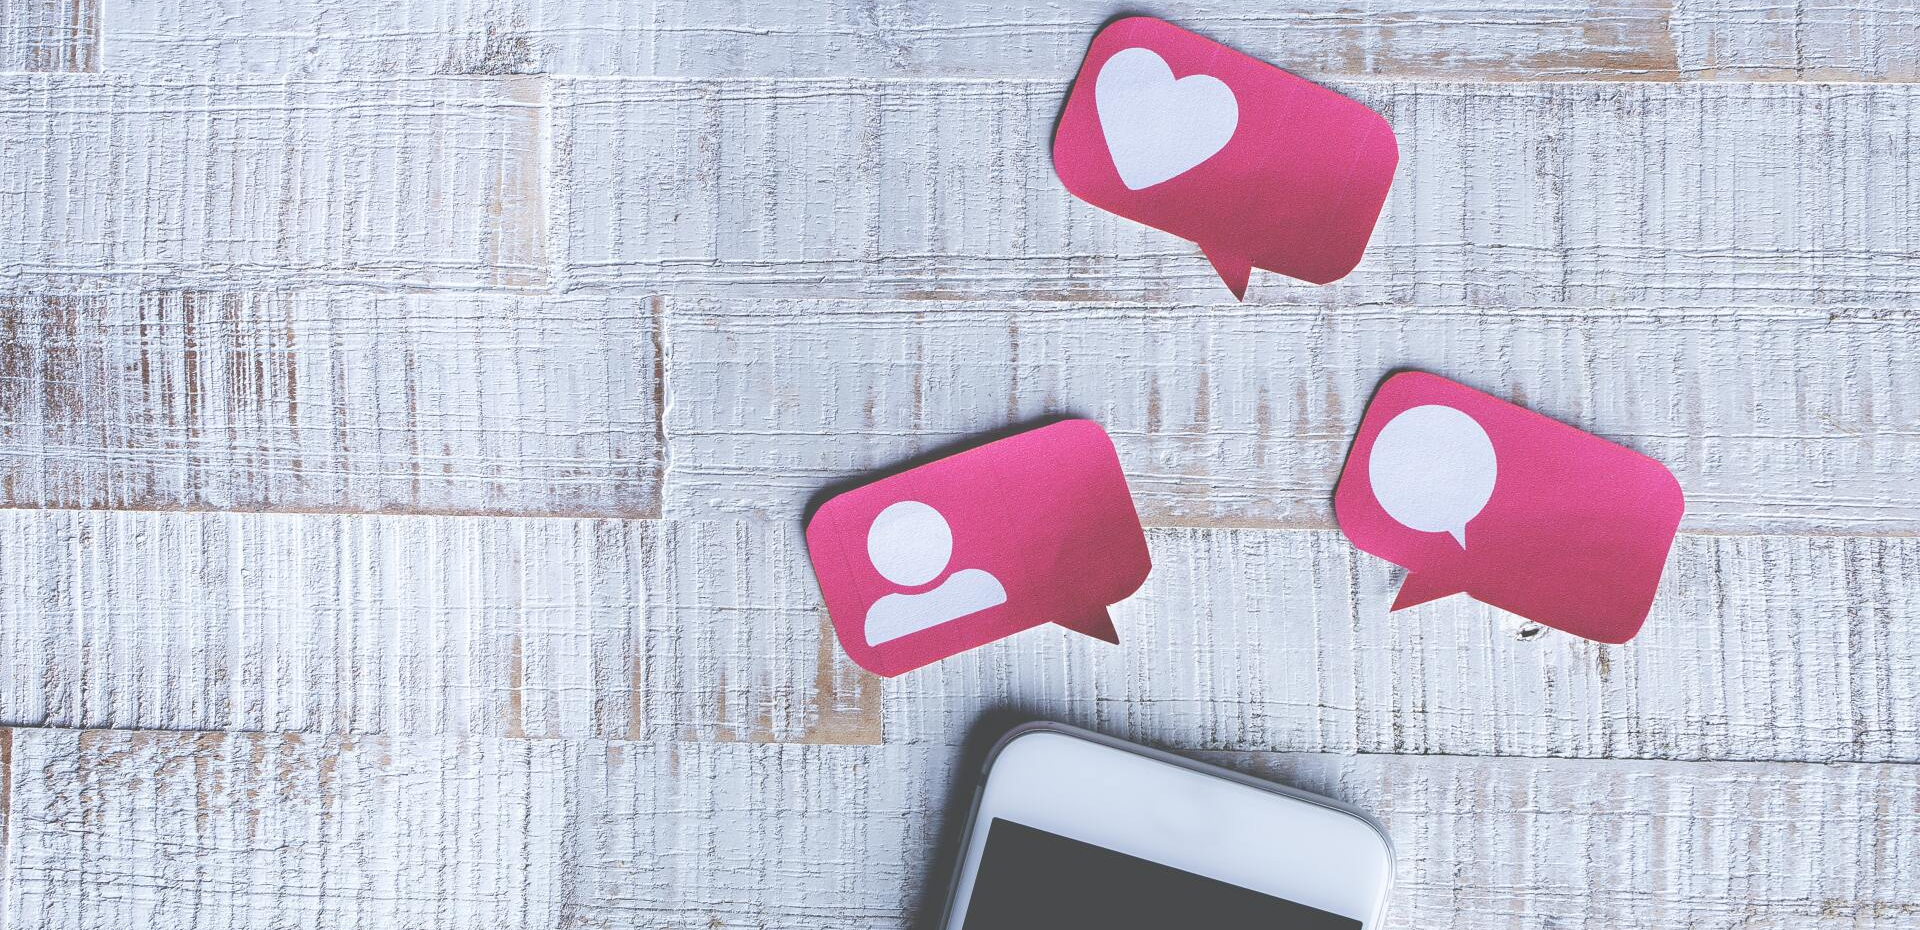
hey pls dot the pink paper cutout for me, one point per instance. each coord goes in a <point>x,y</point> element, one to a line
<point>1574,535</point>
<point>1296,188</point>
<point>1044,515</point>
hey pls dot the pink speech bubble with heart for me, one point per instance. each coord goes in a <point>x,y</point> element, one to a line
<point>1473,494</point>
<point>1033,529</point>
<point>1259,167</point>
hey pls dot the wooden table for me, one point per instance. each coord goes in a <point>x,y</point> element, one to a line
<point>407,410</point>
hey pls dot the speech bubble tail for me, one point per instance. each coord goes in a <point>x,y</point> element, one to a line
<point>1232,269</point>
<point>1419,589</point>
<point>1459,536</point>
<point>1098,624</point>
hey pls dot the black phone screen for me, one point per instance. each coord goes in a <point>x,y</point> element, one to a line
<point>1030,878</point>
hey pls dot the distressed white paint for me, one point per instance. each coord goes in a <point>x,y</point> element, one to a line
<point>339,401</point>
<point>1720,275</point>
<point>116,829</point>
<point>321,623</point>
<point>1821,40</point>
<point>1774,420</point>
<point>1450,39</point>
<point>286,831</point>
<point>766,38</point>
<point>1758,648</point>
<point>49,35</point>
<point>375,37</point>
<point>1508,195</point>
<point>418,625</point>
<point>740,647</point>
<point>231,183</point>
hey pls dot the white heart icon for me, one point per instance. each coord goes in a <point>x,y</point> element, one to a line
<point>1158,128</point>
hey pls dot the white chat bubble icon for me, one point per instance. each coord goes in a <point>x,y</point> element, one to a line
<point>1432,469</point>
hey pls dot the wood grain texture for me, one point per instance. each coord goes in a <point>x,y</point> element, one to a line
<point>1773,420</point>
<point>1509,195</point>
<point>6,820</point>
<point>743,649</point>
<point>1442,39</point>
<point>533,324</point>
<point>124,829</point>
<point>50,35</point>
<point>314,37</point>
<point>1489,39</point>
<point>1822,40</point>
<point>837,836</point>
<point>441,625</point>
<point>335,401</point>
<point>252,183</point>
<point>119,829</point>
<point>320,623</point>
<point>1759,647</point>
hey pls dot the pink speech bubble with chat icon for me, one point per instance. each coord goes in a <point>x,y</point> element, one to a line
<point>1473,494</point>
<point>1033,529</point>
<point>1260,168</point>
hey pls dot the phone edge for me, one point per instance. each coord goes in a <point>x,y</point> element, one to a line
<point>1171,758</point>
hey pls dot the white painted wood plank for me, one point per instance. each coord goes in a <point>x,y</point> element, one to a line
<point>1561,39</point>
<point>1509,195</point>
<point>427,625</point>
<point>50,35</point>
<point>216,830</point>
<point>718,835</point>
<point>248,183</point>
<point>335,401</point>
<point>1442,39</point>
<point>1821,40</point>
<point>1773,420</point>
<point>1564,39</point>
<point>6,820</point>
<point>1759,647</point>
<point>318,37</point>
<point>189,830</point>
<point>320,623</point>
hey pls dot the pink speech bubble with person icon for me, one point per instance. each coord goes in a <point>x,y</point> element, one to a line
<point>1260,168</point>
<point>1473,494</point>
<point>1033,529</point>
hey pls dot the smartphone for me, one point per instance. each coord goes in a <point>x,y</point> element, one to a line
<point>1073,829</point>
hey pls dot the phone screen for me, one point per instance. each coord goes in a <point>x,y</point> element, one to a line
<point>1030,878</point>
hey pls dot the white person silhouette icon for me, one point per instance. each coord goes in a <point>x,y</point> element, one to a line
<point>910,544</point>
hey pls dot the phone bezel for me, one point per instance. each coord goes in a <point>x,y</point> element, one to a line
<point>1173,810</point>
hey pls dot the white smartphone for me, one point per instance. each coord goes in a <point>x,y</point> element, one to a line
<point>1074,829</point>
